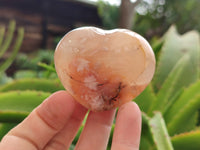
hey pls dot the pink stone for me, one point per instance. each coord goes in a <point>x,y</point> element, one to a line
<point>103,69</point>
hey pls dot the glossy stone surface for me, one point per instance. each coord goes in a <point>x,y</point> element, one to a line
<point>103,69</point>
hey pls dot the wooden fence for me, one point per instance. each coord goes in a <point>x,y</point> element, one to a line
<point>44,20</point>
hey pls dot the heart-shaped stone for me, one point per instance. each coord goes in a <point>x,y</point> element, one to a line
<point>104,69</point>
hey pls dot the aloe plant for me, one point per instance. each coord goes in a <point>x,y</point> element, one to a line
<point>174,92</point>
<point>6,42</point>
<point>169,104</point>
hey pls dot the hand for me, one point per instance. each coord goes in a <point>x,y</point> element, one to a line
<point>54,123</point>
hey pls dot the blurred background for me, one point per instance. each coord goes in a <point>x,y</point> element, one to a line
<point>31,29</point>
<point>46,21</point>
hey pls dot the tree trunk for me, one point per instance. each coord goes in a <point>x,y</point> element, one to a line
<point>127,12</point>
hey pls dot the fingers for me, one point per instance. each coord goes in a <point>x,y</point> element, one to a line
<point>42,124</point>
<point>127,131</point>
<point>96,132</point>
<point>64,138</point>
<point>48,127</point>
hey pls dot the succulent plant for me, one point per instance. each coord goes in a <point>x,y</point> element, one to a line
<point>5,43</point>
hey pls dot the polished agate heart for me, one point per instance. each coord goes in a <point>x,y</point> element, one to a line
<point>104,69</point>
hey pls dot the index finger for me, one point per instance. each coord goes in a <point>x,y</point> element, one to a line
<point>127,131</point>
<point>41,125</point>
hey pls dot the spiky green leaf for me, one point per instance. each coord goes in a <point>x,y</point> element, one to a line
<point>33,84</point>
<point>5,127</point>
<point>187,141</point>
<point>159,132</point>
<point>16,105</point>
<point>16,48</point>
<point>2,31</point>
<point>169,86</point>
<point>183,115</point>
<point>191,93</point>
<point>8,39</point>
<point>175,47</point>
<point>146,99</point>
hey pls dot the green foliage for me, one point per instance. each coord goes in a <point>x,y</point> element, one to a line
<point>20,74</point>
<point>159,132</point>
<point>5,127</point>
<point>149,96</point>
<point>15,105</point>
<point>35,65</point>
<point>174,48</point>
<point>7,42</point>
<point>168,86</point>
<point>45,85</point>
<point>30,62</point>
<point>8,39</point>
<point>4,79</point>
<point>175,92</point>
<point>186,141</point>
<point>156,16</point>
<point>182,13</point>
<point>183,109</point>
<point>109,14</point>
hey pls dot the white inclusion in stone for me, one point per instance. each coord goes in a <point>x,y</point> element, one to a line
<point>83,40</point>
<point>75,50</point>
<point>96,102</point>
<point>126,49</point>
<point>86,97</point>
<point>118,50</point>
<point>105,48</point>
<point>106,39</point>
<point>82,64</point>
<point>91,83</point>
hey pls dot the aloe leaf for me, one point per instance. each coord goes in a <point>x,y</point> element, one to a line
<point>183,100</point>
<point>16,105</point>
<point>183,115</point>
<point>187,141</point>
<point>111,135</point>
<point>11,29</point>
<point>72,147</point>
<point>4,79</point>
<point>9,116</point>
<point>47,67</point>
<point>33,84</point>
<point>146,142</point>
<point>159,132</point>
<point>175,47</point>
<point>2,31</point>
<point>157,46</point>
<point>20,74</point>
<point>16,48</point>
<point>184,111</point>
<point>172,101</point>
<point>190,125</point>
<point>5,127</point>
<point>168,87</point>
<point>146,99</point>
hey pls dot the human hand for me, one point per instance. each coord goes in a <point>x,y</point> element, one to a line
<point>54,123</point>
